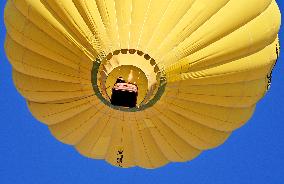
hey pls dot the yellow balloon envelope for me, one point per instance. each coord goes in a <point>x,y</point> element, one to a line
<point>200,67</point>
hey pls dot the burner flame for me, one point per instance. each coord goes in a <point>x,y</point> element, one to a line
<point>130,76</point>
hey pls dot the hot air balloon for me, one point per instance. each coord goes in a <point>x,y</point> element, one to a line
<point>196,68</point>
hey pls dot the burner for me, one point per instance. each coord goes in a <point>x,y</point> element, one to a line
<point>124,94</point>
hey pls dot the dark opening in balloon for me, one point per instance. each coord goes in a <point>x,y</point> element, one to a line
<point>117,77</point>
<point>124,94</point>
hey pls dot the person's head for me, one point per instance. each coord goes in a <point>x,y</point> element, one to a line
<point>120,80</point>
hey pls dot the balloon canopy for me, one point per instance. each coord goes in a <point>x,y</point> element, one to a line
<point>200,67</point>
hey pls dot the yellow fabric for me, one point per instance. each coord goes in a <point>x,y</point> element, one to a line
<point>216,55</point>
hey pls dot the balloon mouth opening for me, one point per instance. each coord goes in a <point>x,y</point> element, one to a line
<point>128,80</point>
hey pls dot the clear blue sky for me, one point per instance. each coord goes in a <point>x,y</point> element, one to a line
<point>30,155</point>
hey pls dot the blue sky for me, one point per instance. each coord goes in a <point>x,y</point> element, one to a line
<point>30,155</point>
